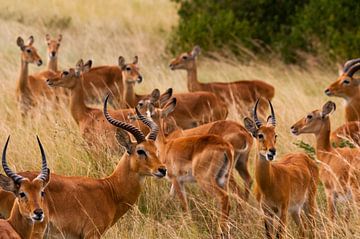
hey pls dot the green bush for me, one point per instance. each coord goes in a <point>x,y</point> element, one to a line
<point>321,27</point>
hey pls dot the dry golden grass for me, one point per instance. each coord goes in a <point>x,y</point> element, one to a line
<point>103,30</point>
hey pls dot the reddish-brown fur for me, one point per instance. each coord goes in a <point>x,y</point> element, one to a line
<point>340,167</point>
<point>241,93</point>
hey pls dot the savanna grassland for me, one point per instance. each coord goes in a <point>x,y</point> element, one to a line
<point>104,30</point>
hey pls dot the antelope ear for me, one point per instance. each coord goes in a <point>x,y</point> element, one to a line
<point>165,97</point>
<point>327,109</point>
<point>47,38</point>
<point>154,96</point>
<point>340,69</point>
<point>121,62</point>
<point>30,40</point>
<point>250,126</point>
<point>195,51</point>
<point>20,43</point>
<point>136,58</point>
<point>87,66</point>
<point>168,108</point>
<point>59,38</point>
<point>123,139</point>
<point>79,67</point>
<point>9,185</point>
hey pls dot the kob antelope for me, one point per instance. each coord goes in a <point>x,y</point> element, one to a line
<point>29,214</point>
<point>91,121</point>
<point>205,159</point>
<point>283,186</point>
<point>53,46</point>
<point>82,207</point>
<point>229,130</point>
<point>347,87</point>
<point>339,169</point>
<point>240,93</point>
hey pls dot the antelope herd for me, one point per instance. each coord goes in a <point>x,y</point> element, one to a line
<point>189,140</point>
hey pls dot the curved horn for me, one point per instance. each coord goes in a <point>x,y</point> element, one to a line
<point>17,178</point>
<point>273,119</point>
<point>350,63</point>
<point>353,69</point>
<point>256,119</point>
<point>149,123</point>
<point>139,136</point>
<point>44,174</point>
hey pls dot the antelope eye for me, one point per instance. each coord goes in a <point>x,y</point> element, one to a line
<point>42,193</point>
<point>141,152</point>
<point>128,68</point>
<point>28,50</point>
<point>346,82</point>
<point>260,136</point>
<point>184,57</point>
<point>309,117</point>
<point>22,194</point>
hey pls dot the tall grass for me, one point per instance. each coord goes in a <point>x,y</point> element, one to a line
<point>103,30</point>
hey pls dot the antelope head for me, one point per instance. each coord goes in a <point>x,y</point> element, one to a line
<point>53,45</point>
<point>69,78</point>
<point>185,60</point>
<point>314,121</point>
<point>143,153</point>
<point>264,133</point>
<point>346,84</point>
<point>28,51</point>
<point>130,71</point>
<point>29,193</point>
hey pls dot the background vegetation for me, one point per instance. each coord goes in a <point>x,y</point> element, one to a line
<point>103,30</point>
<point>325,28</point>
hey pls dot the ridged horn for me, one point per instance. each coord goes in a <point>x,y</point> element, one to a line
<point>256,119</point>
<point>17,178</point>
<point>350,63</point>
<point>139,136</point>
<point>154,128</point>
<point>353,69</point>
<point>273,119</point>
<point>44,174</point>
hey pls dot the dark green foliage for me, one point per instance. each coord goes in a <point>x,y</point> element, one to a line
<point>322,27</point>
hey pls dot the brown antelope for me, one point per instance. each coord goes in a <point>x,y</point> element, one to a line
<point>53,46</point>
<point>229,130</point>
<point>285,185</point>
<point>101,80</point>
<point>29,214</point>
<point>91,121</point>
<point>347,87</point>
<point>204,159</point>
<point>241,93</point>
<point>193,109</point>
<point>82,207</point>
<point>339,170</point>
<point>30,88</point>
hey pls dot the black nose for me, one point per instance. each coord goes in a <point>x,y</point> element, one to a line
<point>327,92</point>
<point>272,151</point>
<point>292,127</point>
<point>140,79</point>
<point>47,80</point>
<point>53,53</point>
<point>38,212</point>
<point>162,171</point>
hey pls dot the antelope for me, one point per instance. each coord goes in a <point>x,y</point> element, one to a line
<point>347,87</point>
<point>30,88</point>
<point>101,80</point>
<point>229,130</point>
<point>82,207</point>
<point>204,159</point>
<point>90,120</point>
<point>53,46</point>
<point>193,109</point>
<point>339,169</point>
<point>29,214</point>
<point>240,93</point>
<point>285,185</point>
